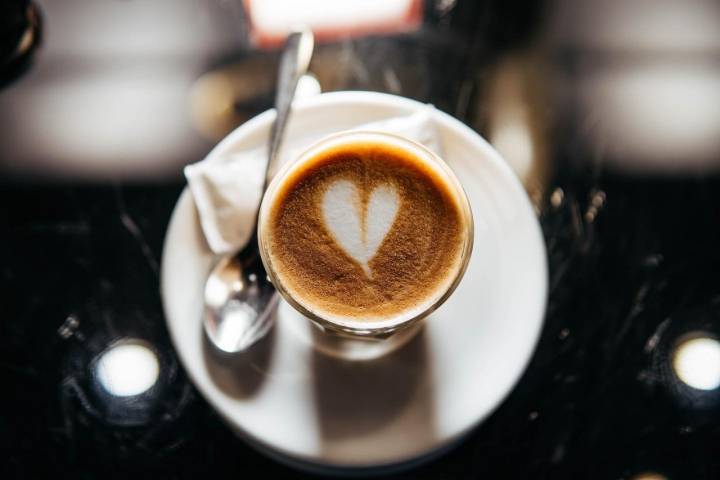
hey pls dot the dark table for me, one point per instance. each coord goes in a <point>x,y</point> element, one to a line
<point>609,113</point>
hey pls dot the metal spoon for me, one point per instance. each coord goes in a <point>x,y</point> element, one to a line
<point>239,298</point>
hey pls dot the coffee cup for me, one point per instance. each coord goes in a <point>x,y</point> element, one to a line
<point>365,234</point>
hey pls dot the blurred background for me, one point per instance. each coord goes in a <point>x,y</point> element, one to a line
<point>608,111</point>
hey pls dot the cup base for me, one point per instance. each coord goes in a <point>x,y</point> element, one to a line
<point>344,347</point>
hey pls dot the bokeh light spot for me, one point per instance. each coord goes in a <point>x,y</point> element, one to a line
<point>696,362</point>
<point>128,368</point>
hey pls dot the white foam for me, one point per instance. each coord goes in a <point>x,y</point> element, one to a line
<point>341,210</point>
<point>360,237</point>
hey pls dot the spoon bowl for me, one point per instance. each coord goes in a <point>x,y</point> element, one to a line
<point>239,300</point>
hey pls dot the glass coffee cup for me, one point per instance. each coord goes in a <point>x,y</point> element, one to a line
<point>365,234</point>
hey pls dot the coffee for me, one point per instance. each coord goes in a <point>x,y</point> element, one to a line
<point>366,230</point>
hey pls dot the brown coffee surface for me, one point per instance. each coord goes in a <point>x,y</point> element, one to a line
<point>418,256</point>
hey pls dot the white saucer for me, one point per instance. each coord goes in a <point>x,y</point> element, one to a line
<point>310,409</point>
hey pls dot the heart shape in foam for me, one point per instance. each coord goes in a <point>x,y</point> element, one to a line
<point>360,228</point>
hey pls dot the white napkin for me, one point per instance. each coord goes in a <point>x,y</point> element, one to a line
<point>226,189</point>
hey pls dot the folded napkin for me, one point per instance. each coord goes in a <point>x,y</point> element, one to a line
<point>226,188</point>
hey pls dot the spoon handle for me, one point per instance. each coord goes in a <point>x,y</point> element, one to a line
<point>293,65</point>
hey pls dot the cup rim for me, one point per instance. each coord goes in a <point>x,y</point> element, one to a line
<point>364,328</point>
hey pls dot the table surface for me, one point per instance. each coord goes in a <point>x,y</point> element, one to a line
<point>610,121</point>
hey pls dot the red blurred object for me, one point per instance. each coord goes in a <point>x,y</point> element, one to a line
<point>272,20</point>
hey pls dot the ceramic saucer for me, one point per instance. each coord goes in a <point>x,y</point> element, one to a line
<point>316,411</point>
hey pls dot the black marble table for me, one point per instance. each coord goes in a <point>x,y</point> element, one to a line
<point>627,198</point>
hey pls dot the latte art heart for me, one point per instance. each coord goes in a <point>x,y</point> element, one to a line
<point>359,227</point>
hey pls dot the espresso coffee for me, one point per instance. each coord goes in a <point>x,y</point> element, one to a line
<point>366,231</point>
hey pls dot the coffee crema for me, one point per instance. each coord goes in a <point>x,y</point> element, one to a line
<point>366,231</point>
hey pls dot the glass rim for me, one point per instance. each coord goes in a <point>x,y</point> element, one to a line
<point>366,328</point>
